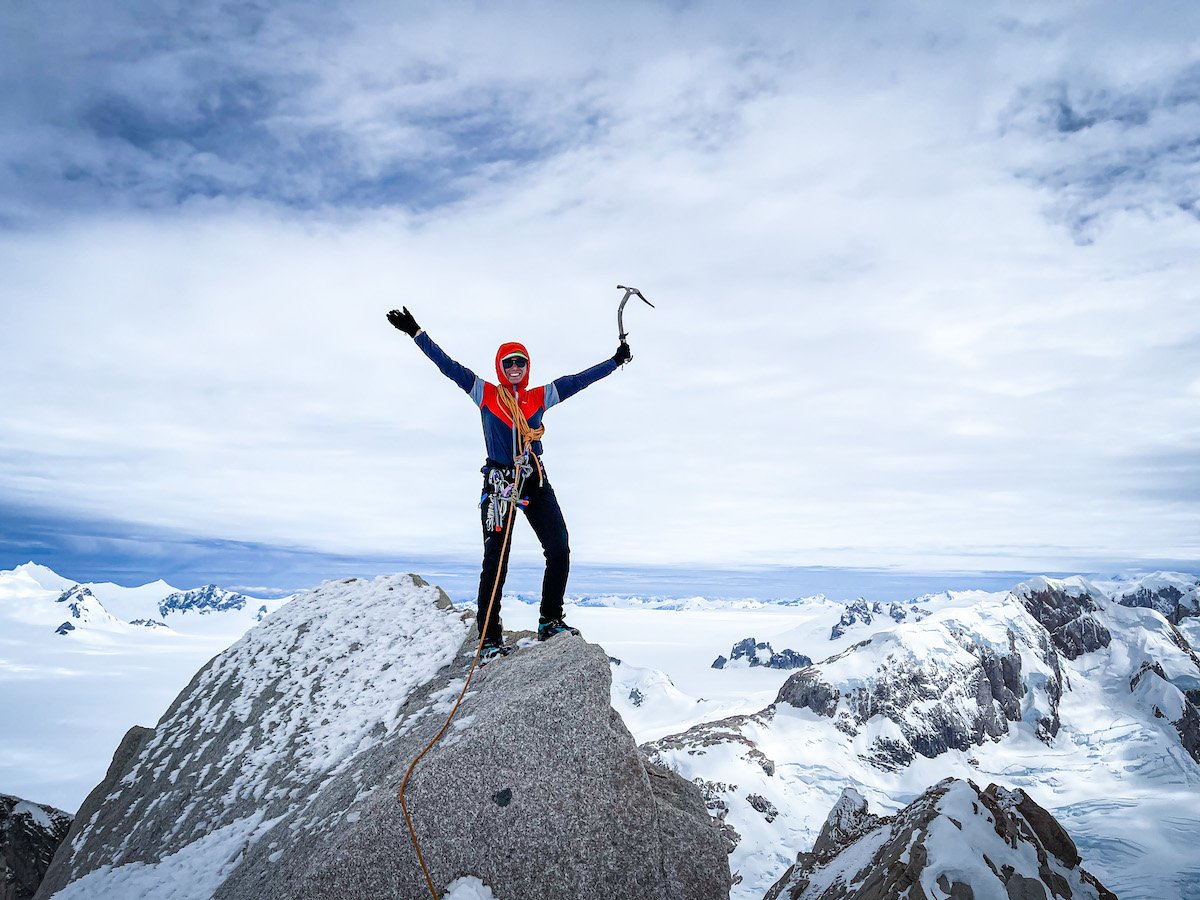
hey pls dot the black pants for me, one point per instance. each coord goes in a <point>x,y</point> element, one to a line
<point>546,519</point>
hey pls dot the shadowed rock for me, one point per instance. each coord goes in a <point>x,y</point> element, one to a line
<point>1067,615</point>
<point>30,833</point>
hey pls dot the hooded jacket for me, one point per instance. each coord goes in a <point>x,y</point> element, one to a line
<point>499,431</point>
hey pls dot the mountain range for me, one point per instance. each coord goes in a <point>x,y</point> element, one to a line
<point>1074,700</point>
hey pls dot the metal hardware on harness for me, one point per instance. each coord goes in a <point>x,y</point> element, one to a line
<point>499,494</point>
<point>629,292</point>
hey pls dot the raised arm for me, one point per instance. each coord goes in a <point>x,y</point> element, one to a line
<point>455,371</point>
<point>569,385</point>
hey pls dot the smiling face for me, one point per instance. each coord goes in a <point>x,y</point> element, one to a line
<point>514,368</point>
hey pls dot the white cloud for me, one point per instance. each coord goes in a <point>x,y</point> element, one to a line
<point>871,342</point>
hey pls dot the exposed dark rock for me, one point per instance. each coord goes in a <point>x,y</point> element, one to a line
<point>936,709</point>
<point>1067,615</point>
<point>30,833</point>
<point>1188,726</point>
<point>714,802</point>
<point>761,654</point>
<point>860,612</point>
<point>1052,836</point>
<point>1174,602</point>
<point>709,734</point>
<point>1182,713</point>
<point>806,690</point>
<point>846,823</point>
<point>983,838</point>
<point>761,804</point>
<point>204,600</point>
<point>1147,668</point>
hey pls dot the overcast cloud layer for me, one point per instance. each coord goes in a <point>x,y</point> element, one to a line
<point>925,276</point>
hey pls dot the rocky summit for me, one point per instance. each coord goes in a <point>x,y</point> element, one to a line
<point>953,841</point>
<point>275,773</point>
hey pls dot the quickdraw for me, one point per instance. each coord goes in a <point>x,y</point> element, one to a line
<point>499,491</point>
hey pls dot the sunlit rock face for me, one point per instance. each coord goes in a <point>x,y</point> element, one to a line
<point>275,773</point>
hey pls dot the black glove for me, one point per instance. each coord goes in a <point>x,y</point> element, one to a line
<point>404,320</point>
<point>623,354</point>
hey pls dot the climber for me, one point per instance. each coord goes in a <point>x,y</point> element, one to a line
<point>502,436</point>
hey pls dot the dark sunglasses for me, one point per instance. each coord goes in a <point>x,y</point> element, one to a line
<point>514,362</point>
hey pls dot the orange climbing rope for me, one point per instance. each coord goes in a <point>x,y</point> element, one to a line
<point>528,436</point>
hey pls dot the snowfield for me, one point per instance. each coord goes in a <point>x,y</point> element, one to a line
<point>69,697</point>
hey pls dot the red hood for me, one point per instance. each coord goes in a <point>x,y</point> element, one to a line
<point>507,349</point>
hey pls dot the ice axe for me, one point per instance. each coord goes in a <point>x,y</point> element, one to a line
<point>629,292</point>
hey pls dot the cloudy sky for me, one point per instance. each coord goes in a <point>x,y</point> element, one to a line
<point>926,277</point>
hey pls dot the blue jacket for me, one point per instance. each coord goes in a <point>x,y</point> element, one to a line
<point>500,434</point>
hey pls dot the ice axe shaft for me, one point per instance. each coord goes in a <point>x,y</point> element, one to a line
<point>629,292</point>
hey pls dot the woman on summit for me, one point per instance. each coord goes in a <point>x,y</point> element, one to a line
<point>512,414</point>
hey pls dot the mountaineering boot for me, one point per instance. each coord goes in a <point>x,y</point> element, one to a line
<point>493,650</point>
<point>547,630</point>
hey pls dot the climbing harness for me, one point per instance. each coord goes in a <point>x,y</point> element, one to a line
<point>505,507</point>
<point>629,292</point>
<point>499,492</point>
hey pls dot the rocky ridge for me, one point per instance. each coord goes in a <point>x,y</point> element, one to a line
<point>861,612</point>
<point>1176,597</point>
<point>85,608</point>
<point>915,700</point>
<point>953,841</point>
<point>751,653</point>
<point>275,773</point>
<point>203,600</point>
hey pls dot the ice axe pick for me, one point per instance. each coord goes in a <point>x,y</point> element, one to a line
<point>629,292</point>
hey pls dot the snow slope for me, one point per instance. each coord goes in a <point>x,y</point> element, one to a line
<point>67,697</point>
<point>1115,774</point>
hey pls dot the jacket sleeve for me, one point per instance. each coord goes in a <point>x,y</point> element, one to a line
<point>455,371</point>
<point>569,385</point>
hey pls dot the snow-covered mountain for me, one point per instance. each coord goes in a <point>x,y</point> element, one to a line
<point>954,841</point>
<point>83,662</point>
<point>1053,687</point>
<point>27,592</point>
<point>1177,597</point>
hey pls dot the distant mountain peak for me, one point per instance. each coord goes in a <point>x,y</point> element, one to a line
<point>44,576</point>
<point>204,600</point>
<point>85,608</point>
